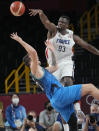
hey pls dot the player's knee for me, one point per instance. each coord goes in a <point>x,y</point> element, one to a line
<point>90,87</point>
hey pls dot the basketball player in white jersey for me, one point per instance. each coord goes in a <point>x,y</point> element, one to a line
<point>63,40</point>
<point>63,45</point>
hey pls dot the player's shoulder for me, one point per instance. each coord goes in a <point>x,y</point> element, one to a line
<point>21,107</point>
<point>69,31</point>
<point>43,112</point>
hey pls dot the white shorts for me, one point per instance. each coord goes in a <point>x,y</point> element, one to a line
<point>64,69</point>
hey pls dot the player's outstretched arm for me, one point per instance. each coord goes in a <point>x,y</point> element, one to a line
<point>31,51</point>
<point>54,65</point>
<point>44,19</point>
<point>85,45</point>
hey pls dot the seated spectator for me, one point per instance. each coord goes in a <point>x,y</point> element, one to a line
<point>30,123</point>
<point>15,114</point>
<point>48,117</point>
<point>92,120</point>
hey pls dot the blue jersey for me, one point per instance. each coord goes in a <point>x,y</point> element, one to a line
<point>61,98</point>
<point>47,82</point>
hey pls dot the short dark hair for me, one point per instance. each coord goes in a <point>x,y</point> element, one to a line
<point>66,17</point>
<point>26,60</point>
<point>46,103</point>
<point>14,94</point>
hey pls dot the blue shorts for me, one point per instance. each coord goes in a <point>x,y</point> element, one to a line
<point>63,98</point>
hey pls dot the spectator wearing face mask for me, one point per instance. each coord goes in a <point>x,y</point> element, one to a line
<point>31,124</point>
<point>15,114</point>
<point>48,117</point>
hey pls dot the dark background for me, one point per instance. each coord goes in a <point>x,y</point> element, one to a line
<point>34,33</point>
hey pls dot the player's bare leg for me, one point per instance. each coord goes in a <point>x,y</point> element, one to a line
<point>90,89</point>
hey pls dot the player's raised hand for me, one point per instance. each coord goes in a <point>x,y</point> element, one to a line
<point>14,36</point>
<point>33,12</point>
<point>49,45</point>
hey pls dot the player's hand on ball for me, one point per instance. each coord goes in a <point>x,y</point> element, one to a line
<point>34,12</point>
<point>49,45</point>
<point>15,37</point>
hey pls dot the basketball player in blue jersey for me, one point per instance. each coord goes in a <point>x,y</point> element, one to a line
<point>63,41</point>
<point>61,98</point>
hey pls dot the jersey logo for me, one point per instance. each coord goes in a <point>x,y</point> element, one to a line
<point>63,41</point>
<point>70,36</point>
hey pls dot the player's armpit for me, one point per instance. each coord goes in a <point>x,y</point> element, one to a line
<point>52,68</point>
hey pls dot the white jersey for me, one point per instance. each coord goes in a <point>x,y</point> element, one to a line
<point>63,47</point>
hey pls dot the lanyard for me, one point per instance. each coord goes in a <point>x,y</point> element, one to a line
<point>13,111</point>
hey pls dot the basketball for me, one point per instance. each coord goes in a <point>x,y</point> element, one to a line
<point>17,8</point>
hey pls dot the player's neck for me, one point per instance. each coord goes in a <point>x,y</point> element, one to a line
<point>63,32</point>
<point>39,74</point>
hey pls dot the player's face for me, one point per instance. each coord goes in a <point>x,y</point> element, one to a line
<point>63,23</point>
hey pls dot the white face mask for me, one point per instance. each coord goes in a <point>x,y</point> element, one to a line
<point>34,119</point>
<point>15,101</point>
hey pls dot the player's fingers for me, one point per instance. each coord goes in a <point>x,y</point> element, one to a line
<point>45,43</point>
<point>30,12</point>
<point>30,9</point>
<point>34,13</point>
<point>11,37</point>
<point>14,34</point>
<point>48,41</point>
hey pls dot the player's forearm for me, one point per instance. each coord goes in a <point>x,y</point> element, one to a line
<point>93,50</point>
<point>85,45</point>
<point>90,48</point>
<point>44,19</point>
<point>54,63</point>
